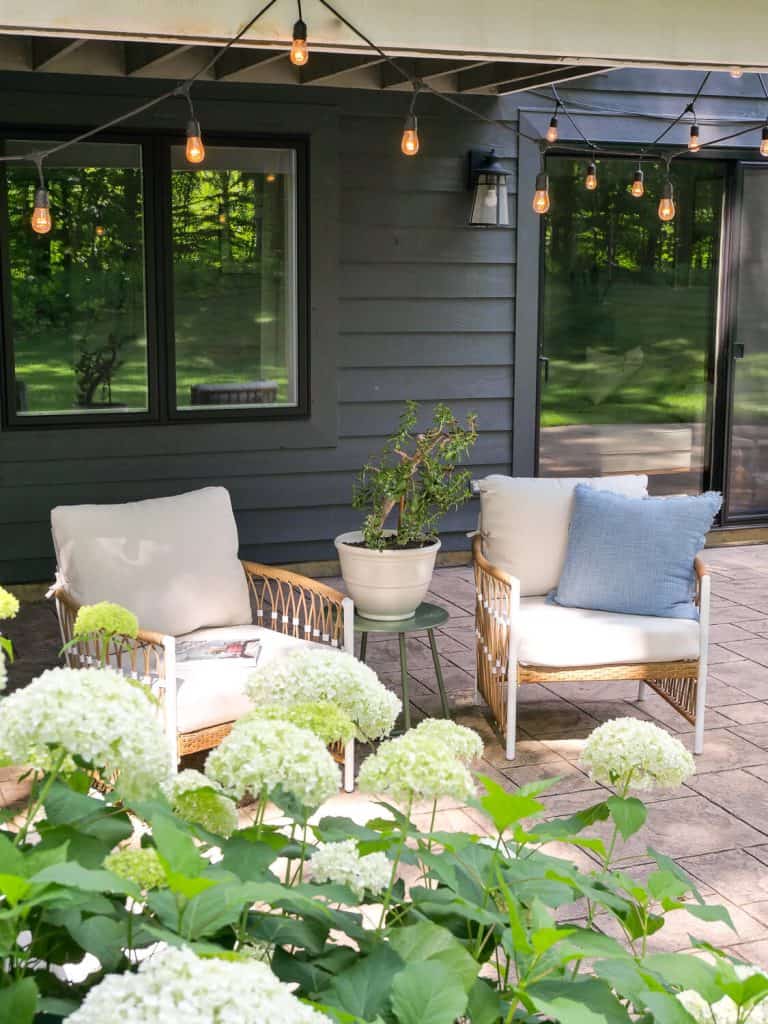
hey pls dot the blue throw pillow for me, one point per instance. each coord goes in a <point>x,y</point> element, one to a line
<point>634,555</point>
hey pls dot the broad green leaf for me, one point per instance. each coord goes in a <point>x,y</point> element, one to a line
<point>248,859</point>
<point>624,976</point>
<point>18,1002</point>
<point>585,942</point>
<point>12,860</point>
<point>75,876</point>
<point>427,993</point>
<point>663,885</point>
<point>566,828</point>
<point>665,1007</point>
<point>505,808</point>
<point>364,989</point>
<point>546,938</point>
<point>628,814</point>
<point>14,888</point>
<point>95,818</point>
<point>578,1001</point>
<point>177,849</point>
<point>56,1007</point>
<point>685,971</point>
<point>485,1005</point>
<point>707,912</point>
<point>427,941</point>
<point>667,864</point>
<point>104,937</point>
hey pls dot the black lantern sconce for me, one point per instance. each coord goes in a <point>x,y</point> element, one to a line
<point>488,180</point>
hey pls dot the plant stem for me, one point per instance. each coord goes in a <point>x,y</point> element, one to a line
<point>395,865</point>
<point>21,835</point>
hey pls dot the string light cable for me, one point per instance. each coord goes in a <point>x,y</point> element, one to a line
<point>195,150</point>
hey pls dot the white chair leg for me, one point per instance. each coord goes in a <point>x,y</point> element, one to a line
<point>511,737</point>
<point>642,690</point>
<point>701,705</point>
<point>349,766</point>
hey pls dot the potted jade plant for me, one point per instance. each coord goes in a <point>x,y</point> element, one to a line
<point>388,569</point>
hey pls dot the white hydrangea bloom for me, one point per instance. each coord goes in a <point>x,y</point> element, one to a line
<point>333,676</point>
<point>725,1011</point>
<point>259,755</point>
<point>415,766</point>
<point>341,863</point>
<point>463,743</point>
<point>92,713</point>
<point>188,781</point>
<point>177,986</point>
<point>628,748</point>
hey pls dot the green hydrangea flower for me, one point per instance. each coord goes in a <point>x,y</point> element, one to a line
<point>142,867</point>
<point>9,604</point>
<point>322,717</point>
<point>214,811</point>
<point>105,618</point>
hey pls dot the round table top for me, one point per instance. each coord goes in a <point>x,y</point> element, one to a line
<point>426,616</point>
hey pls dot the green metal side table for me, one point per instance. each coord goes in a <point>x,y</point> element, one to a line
<point>427,617</point>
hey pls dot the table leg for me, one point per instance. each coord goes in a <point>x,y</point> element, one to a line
<point>363,646</point>
<point>438,673</point>
<point>404,681</point>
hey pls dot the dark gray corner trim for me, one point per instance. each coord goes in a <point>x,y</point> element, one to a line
<point>527,307</point>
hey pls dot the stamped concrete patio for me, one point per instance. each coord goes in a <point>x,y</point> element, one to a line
<point>716,826</point>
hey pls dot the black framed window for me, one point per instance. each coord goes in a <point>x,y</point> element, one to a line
<point>165,291</point>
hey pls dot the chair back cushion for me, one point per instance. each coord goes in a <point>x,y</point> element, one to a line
<point>524,523</point>
<point>171,561</point>
<point>635,556</point>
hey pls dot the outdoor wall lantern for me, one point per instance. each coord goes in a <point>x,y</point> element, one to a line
<point>488,180</point>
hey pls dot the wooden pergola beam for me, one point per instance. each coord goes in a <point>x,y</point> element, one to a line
<point>425,68</point>
<point>46,52</point>
<point>326,66</point>
<point>237,60</point>
<point>503,77</point>
<point>144,58</point>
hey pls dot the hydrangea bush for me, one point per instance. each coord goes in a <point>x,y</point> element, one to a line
<point>9,609</point>
<point>149,901</point>
<point>333,676</point>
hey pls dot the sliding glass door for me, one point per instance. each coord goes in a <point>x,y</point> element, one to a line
<point>747,433</point>
<point>628,323</point>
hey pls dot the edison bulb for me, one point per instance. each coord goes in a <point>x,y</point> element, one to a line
<point>667,203</point>
<point>100,231</point>
<point>638,185</point>
<point>195,151</point>
<point>693,139</point>
<point>41,215</point>
<point>552,133</point>
<point>590,182</point>
<point>736,72</point>
<point>270,178</point>
<point>299,50</point>
<point>409,144</point>
<point>764,142</point>
<point>541,195</point>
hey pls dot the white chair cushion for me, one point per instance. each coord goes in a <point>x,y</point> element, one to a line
<point>556,637</point>
<point>524,523</point>
<point>212,692</point>
<point>171,561</point>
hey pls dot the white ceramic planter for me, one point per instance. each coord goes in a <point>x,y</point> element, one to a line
<point>386,585</point>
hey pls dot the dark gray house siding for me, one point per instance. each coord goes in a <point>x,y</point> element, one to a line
<point>407,301</point>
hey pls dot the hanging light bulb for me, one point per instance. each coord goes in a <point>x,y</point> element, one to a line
<point>638,184</point>
<point>299,51</point>
<point>590,181</point>
<point>552,133</point>
<point>736,71</point>
<point>541,195</point>
<point>667,202</point>
<point>99,231</point>
<point>409,143</point>
<point>764,141</point>
<point>41,215</point>
<point>693,139</point>
<point>270,178</point>
<point>195,151</point>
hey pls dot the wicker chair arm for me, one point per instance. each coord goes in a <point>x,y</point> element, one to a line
<point>301,607</point>
<point>487,567</point>
<point>702,569</point>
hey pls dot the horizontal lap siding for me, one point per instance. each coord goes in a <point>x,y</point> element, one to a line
<point>426,309</point>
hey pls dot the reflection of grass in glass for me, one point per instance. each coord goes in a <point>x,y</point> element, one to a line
<point>670,327</point>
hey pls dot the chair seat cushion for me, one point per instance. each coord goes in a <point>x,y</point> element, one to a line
<point>212,691</point>
<point>555,637</point>
<point>635,555</point>
<point>171,561</point>
<point>524,523</point>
